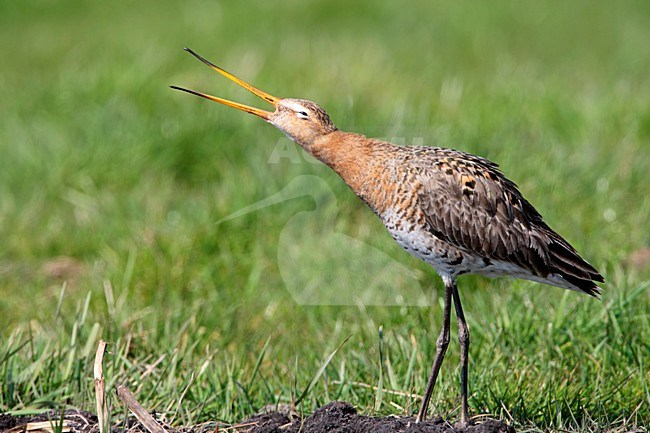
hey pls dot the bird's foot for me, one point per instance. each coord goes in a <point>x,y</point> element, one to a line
<point>464,422</point>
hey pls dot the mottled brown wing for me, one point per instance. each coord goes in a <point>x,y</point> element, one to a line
<point>470,204</point>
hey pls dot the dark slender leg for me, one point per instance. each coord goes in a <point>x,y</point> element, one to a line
<point>441,347</point>
<point>463,339</point>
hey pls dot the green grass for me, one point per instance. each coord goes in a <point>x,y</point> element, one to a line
<point>102,164</point>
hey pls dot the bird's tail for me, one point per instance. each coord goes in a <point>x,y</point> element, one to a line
<point>580,275</point>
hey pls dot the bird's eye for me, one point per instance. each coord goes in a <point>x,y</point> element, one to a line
<point>302,114</point>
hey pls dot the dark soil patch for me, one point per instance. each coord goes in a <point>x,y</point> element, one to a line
<point>341,417</point>
<point>77,420</point>
<point>335,417</point>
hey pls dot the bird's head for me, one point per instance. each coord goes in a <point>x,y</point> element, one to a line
<point>301,120</point>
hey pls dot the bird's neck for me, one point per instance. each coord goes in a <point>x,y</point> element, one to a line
<point>350,155</point>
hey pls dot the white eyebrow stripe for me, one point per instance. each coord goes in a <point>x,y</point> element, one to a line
<point>295,106</point>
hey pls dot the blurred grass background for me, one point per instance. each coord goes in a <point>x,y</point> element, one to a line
<point>111,185</point>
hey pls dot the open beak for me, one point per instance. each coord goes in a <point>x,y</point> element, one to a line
<point>252,110</point>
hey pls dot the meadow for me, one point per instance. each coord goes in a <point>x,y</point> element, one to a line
<point>115,193</point>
